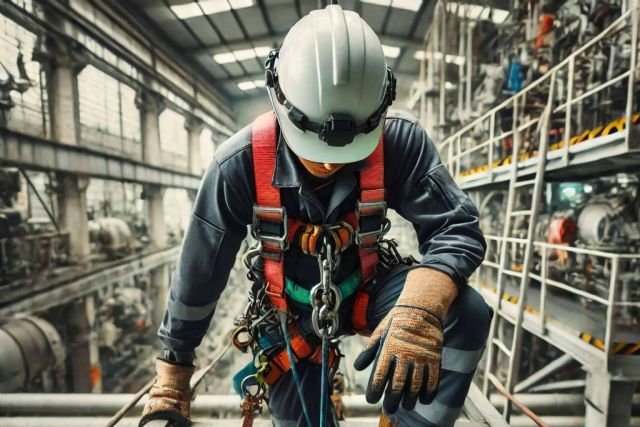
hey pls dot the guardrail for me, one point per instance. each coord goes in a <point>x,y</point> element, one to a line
<point>615,299</point>
<point>517,116</point>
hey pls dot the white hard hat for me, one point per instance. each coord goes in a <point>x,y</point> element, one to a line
<point>330,87</point>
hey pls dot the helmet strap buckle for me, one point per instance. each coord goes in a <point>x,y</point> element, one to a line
<point>338,130</point>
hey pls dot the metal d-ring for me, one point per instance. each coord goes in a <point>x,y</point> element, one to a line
<point>251,380</point>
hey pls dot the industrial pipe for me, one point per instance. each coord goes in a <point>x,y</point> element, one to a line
<point>555,404</point>
<point>559,421</point>
<point>91,404</point>
<point>133,422</point>
<point>28,346</point>
<point>82,404</point>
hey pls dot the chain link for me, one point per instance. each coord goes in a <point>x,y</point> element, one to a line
<point>325,296</point>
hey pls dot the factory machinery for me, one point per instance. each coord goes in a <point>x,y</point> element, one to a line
<point>92,199</point>
<point>550,153</point>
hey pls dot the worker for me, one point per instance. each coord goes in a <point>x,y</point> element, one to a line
<point>313,179</point>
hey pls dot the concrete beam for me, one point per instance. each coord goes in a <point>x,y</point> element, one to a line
<point>62,63</point>
<point>72,203</point>
<point>150,105</point>
<point>31,152</point>
<point>194,126</point>
<point>159,277</point>
<point>84,360</point>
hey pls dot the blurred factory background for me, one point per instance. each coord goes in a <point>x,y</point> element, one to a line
<point>110,111</point>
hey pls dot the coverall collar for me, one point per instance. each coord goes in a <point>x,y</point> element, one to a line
<point>289,173</point>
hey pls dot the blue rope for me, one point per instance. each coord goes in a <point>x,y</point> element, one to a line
<point>324,384</point>
<point>294,371</point>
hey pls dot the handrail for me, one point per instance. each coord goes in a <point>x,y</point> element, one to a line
<point>604,33</point>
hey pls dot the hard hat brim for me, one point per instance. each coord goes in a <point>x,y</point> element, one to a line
<point>310,147</point>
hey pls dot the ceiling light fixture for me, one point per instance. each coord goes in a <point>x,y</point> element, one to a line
<point>250,84</point>
<point>413,5</point>
<point>186,11</point>
<point>477,12</point>
<point>242,55</point>
<point>453,59</point>
<point>390,51</point>
<point>208,7</point>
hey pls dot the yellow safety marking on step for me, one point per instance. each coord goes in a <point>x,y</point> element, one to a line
<point>585,337</point>
<point>598,343</point>
<point>583,136</point>
<point>619,346</point>
<point>595,132</point>
<point>614,126</point>
<point>633,350</point>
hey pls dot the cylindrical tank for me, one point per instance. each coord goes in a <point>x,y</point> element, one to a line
<point>29,346</point>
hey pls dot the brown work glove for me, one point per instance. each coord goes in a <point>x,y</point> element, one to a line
<point>406,347</point>
<point>170,395</point>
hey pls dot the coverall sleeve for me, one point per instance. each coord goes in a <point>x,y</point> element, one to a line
<point>420,189</point>
<point>217,227</point>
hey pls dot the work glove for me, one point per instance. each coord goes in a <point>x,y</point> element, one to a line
<point>406,347</point>
<point>170,395</point>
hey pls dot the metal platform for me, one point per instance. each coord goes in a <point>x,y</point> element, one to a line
<point>595,157</point>
<point>568,339</point>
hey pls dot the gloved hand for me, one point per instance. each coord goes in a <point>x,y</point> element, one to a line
<point>406,347</point>
<point>170,395</point>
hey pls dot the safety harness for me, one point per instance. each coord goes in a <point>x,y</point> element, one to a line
<point>276,233</point>
<point>269,215</point>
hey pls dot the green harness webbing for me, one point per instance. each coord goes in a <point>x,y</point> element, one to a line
<point>301,295</point>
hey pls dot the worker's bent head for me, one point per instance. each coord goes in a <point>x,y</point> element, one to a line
<point>330,88</point>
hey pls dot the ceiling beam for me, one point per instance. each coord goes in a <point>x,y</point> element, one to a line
<point>276,40</point>
<point>260,76</point>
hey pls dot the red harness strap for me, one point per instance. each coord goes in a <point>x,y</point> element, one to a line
<point>372,202</point>
<point>269,208</point>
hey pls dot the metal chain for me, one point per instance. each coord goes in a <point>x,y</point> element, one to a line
<point>325,296</point>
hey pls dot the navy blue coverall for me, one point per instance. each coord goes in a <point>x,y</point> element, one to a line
<point>417,186</point>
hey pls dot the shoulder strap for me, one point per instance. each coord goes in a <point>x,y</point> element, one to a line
<point>371,204</point>
<point>269,216</point>
<point>264,141</point>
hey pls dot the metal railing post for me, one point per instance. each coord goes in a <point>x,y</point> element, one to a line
<point>543,290</point>
<point>459,153</point>
<point>492,125</point>
<point>611,308</point>
<point>567,115</point>
<point>632,64</point>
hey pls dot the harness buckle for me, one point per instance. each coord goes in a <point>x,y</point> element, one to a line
<point>378,208</point>
<point>274,215</point>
